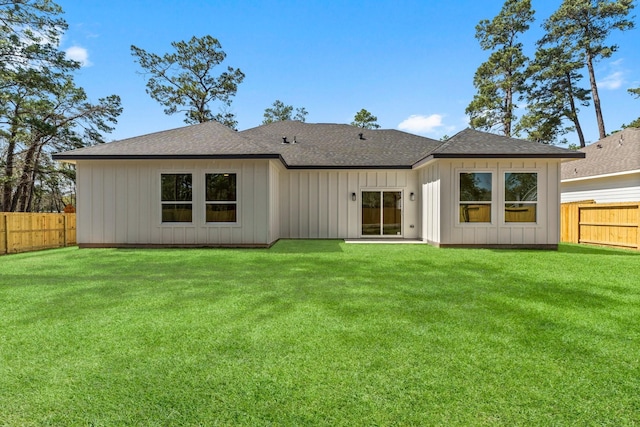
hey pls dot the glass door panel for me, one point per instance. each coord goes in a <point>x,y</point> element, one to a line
<point>381,213</point>
<point>371,213</point>
<point>392,213</point>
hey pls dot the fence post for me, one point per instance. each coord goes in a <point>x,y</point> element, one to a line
<point>64,230</point>
<point>576,214</point>
<point>6,233</point>
<point>638,228</point>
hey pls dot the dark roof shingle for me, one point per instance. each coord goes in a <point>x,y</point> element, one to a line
<point>618,152</point>
<point>314,146</point>
<point>210,138</point>
<point>339,145</point>
<point>473,143</point>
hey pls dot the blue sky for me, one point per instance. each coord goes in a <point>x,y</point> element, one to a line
<point>410,63</point>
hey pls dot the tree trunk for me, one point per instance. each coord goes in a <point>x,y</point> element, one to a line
<point>596,97</point>
<point>7,187</point>
<point>508,112</point>
<point>32,182</point>
<point>574,112</point>
<point>21,195</point>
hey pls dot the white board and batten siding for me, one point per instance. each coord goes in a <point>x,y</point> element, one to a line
<point>317,204</point>
<point>275,169</point>
<point>603,189</point>
<point>441,205</point>
<point>430,198</point>
<point>119,203</point>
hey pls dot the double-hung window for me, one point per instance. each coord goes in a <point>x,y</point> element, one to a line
<point>177,197</point>
<point>221,199</point>
<point>520,196</point>
<point>475,196</point>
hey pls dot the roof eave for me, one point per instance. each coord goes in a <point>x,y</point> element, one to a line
<point>423,162</point>
<point>349,167</point>
<point>73,158</point>
<point>601,176</point>
<point>66,157</point>
<point>576,155</point>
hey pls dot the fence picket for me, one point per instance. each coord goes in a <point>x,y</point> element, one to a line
<point>604,224</point>
<point>25,232</point>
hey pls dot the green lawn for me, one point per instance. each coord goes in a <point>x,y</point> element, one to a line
<point>320,333</point>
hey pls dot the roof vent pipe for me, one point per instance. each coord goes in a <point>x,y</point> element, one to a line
<point>284,140</point>
<point>294,140</point>
<point>361,135</point>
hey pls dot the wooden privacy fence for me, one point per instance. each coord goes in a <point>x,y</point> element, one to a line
<point>608,224</point>
<point>24,232</point>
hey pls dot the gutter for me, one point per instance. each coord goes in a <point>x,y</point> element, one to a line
<point>606,175</point>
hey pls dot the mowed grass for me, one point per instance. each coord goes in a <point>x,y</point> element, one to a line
<point>320,333</point>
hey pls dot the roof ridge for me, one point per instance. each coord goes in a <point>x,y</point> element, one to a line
<point>159,132</point>
<point>449,141</point>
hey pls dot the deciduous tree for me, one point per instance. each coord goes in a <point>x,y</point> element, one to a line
<point>184,81</point>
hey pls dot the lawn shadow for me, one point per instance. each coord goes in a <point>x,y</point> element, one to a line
<point>582,249</point>
<point>307,246</point>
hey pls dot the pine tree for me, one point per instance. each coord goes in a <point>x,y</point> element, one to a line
<point>584,26</point>
<point>183,81</point>
<point>501,80</point>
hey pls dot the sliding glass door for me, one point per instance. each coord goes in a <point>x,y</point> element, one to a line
<point>381,213</point>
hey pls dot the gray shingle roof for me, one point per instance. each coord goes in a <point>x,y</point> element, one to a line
<point>619,152</point>
<point>316,146</point>
<point>473,143</point>
<point>338,145</point>
<point>206,139</point>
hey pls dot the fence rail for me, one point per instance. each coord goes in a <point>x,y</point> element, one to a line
<point>608,224</point>
<point>25,232</point>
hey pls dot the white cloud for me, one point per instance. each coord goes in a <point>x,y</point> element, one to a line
<point>79,54</point>
<point>612,81</point>
<point>422,124</point>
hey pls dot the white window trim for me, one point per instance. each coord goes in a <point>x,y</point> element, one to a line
<point>504,201</point>
<point>494,196</point>
<point>193,203</point>
<point>204,202</point>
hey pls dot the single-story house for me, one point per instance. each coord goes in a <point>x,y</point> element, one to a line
<point>609,173</point>
<point>207,185</point>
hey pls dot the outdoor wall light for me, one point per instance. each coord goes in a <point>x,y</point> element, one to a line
<point>412,196</point>
<point>353,196</point>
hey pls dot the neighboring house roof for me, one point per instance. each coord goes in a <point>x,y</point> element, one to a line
<point>617,153</point>
<point>336,146</point>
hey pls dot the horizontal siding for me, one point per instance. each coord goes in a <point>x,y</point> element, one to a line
<point>621,188</point>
